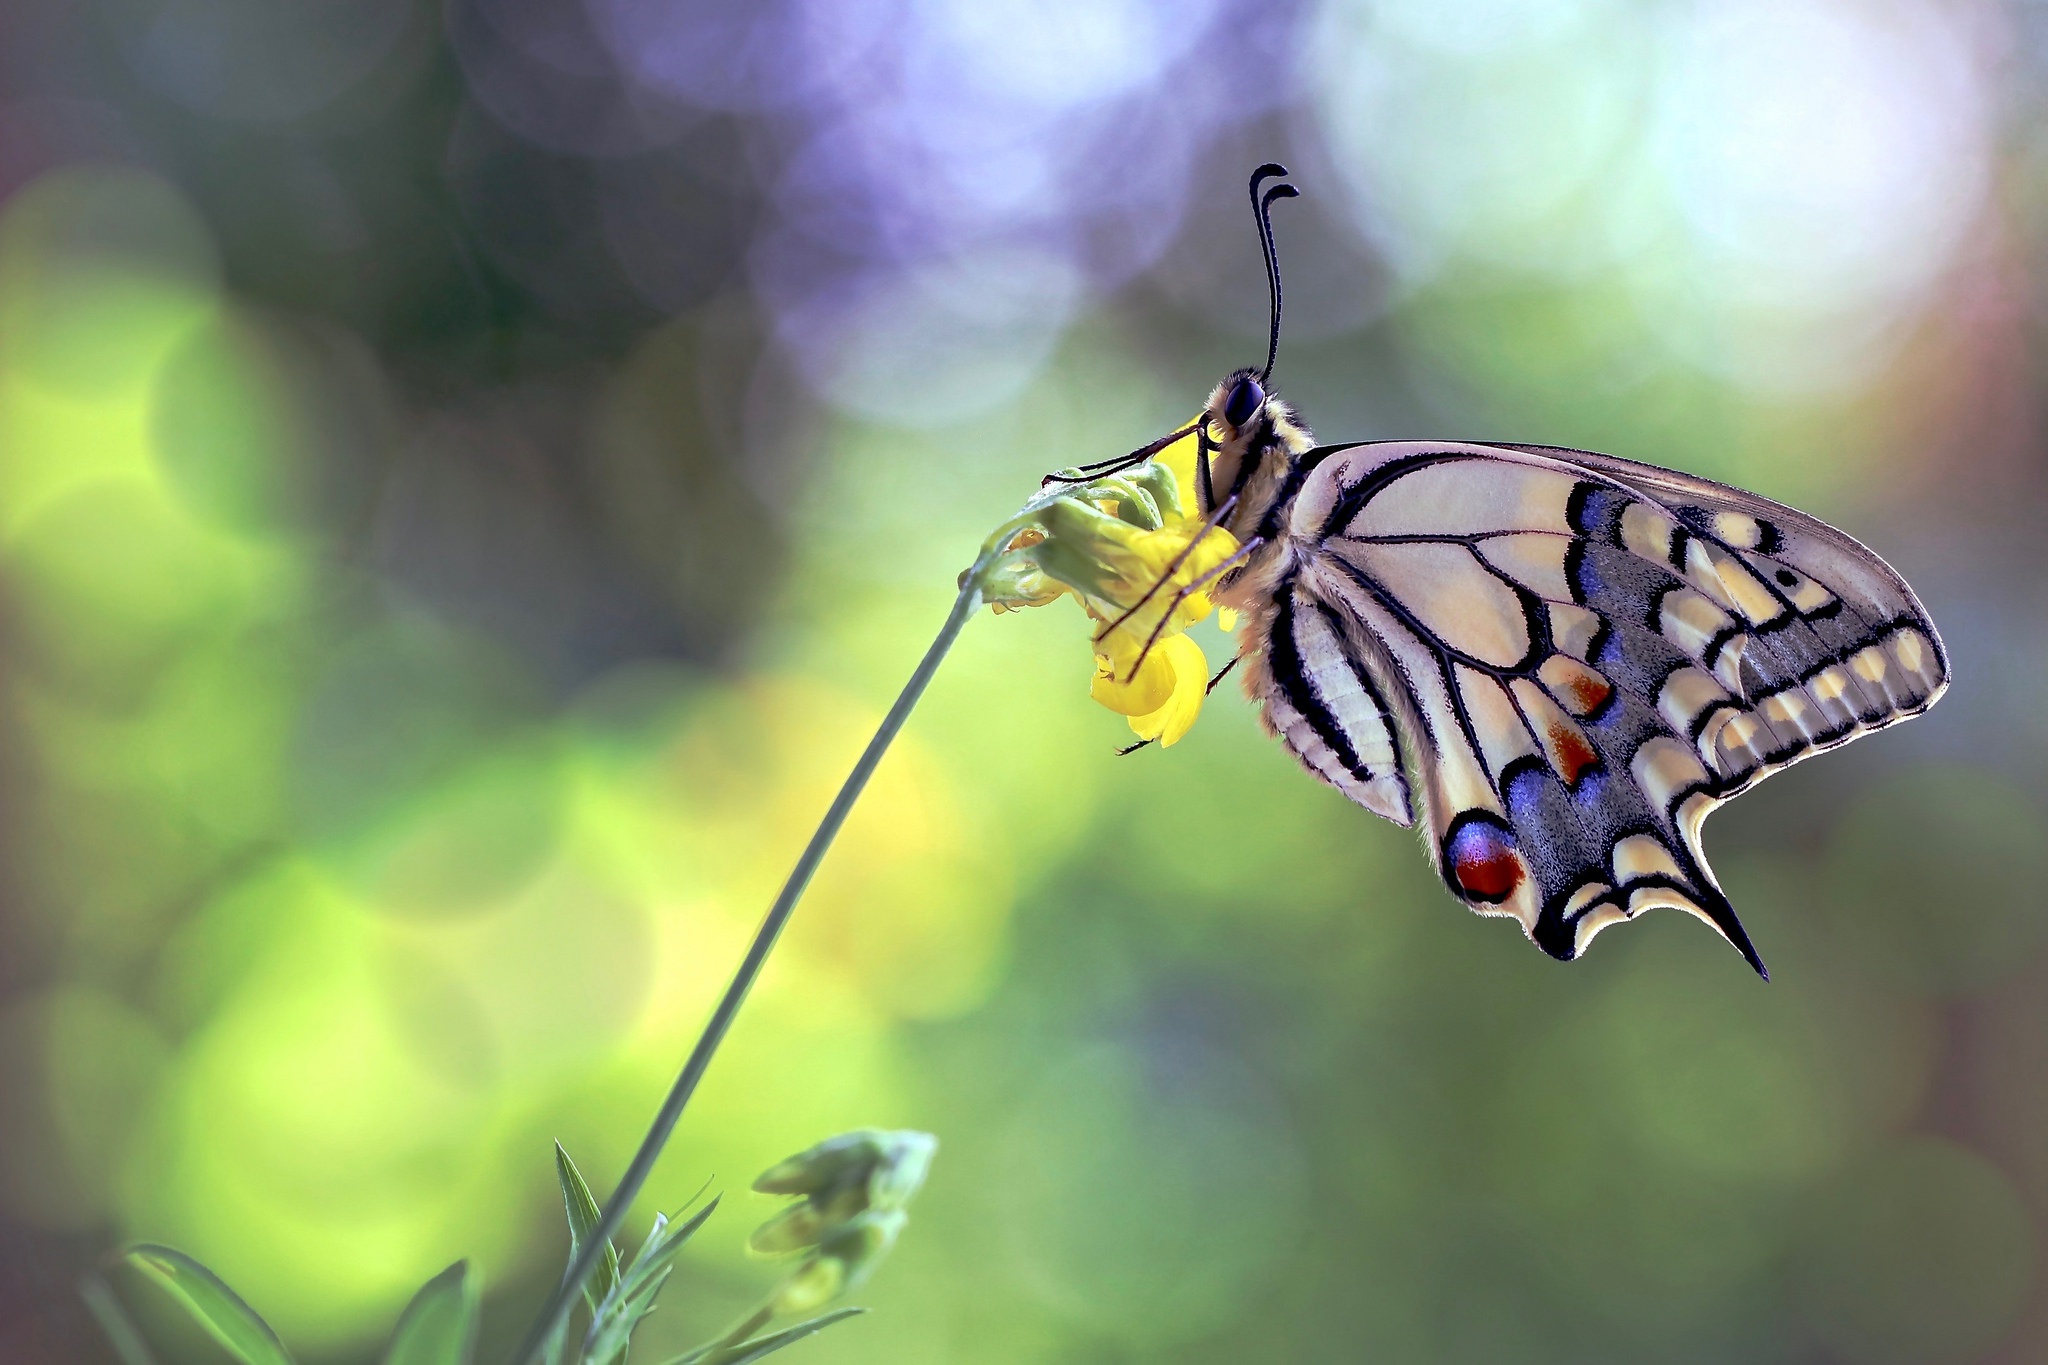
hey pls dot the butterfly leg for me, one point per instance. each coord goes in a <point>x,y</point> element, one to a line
<point>1237,556</point>
<point>1215,519</point>
<point>1221,674</point>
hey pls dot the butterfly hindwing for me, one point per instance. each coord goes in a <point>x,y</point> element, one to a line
<point>1322,701</point>
<point>1562,664</point>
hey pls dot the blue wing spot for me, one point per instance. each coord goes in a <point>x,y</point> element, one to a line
<point>1479,858</point>
<point>1591,790</point>
<point>1595,510</point>
<point>1583,572</point>
<point>1522,788</point>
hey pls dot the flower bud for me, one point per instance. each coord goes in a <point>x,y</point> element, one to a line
<point>895,1162</point>
<point>851,1192</point>
<point>847,1256</point>
<point>839,1180</point>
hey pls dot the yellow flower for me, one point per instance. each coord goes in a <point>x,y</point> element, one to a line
<point>1180,458</point>
<point>1129,550</point>
<point>1164,697</point>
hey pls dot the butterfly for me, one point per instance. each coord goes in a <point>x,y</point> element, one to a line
<point>1558,663</point>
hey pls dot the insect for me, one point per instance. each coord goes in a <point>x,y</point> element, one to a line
<point>1558,663</point>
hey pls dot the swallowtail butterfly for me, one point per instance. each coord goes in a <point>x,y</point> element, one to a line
<point>1558,663</point>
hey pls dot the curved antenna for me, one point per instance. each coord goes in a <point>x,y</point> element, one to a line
<point>1262,208</point>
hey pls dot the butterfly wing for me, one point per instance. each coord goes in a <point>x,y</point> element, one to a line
<point>1841,599</point>
<point>1562,667</point>
<point>1328,692</point>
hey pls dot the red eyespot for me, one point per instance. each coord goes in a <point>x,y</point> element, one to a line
<point>1480,857</point>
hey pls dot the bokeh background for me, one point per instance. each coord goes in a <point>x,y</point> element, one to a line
<point>472,473</point>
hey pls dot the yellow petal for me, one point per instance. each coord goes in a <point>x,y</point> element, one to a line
<point>1180,458</point>
<point>1189,671</point>
<point>1226,620</point>
<point>1135,695</point>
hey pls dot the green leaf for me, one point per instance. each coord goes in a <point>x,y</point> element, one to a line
<point>211,1304</point>
<point>618,1315</point>
<point>583,1220</point>
<point>648,1248</point>
<point>557,1342</point>
<point>720,1354</point>
<point>611,1332</point>
<point>662,1245</point>
<point>115,1322</point>
<point>439,1326</point>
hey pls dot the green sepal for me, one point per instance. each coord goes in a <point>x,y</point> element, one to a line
<point>1135,503</point>
<point>1162,484</point>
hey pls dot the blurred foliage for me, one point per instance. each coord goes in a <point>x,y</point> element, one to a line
<point>879,1171</point>
<point>471,475</point>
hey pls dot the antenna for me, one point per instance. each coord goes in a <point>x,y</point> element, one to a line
<point>1262,207</point>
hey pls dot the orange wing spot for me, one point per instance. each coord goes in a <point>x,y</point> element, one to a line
<point>1580,689</point>
<point>1589,692</point>
<point>1483,863</point>
<point>1489,876</point>
<point>1572,753</point>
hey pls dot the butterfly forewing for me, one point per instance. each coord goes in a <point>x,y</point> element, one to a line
<point>1571,660</point>
<point>1824,611</point>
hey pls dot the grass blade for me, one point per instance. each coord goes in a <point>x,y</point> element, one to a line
<point>439,1326</point>
<point>583,1221</point>
<point>211,1304</point>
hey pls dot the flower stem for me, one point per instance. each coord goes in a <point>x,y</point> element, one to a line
<point>552,1316</point>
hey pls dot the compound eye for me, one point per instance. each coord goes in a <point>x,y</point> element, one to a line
<point>1243,403</point>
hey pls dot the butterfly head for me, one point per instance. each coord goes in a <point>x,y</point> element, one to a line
<point>1243,397</point>
<point>1249,437</point>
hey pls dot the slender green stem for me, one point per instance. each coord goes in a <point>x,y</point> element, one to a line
<point>558,1305</point>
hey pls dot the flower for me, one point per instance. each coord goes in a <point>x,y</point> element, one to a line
<point>1165,691</point>
<point>1128,549</point>
<point>853,1189</point>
